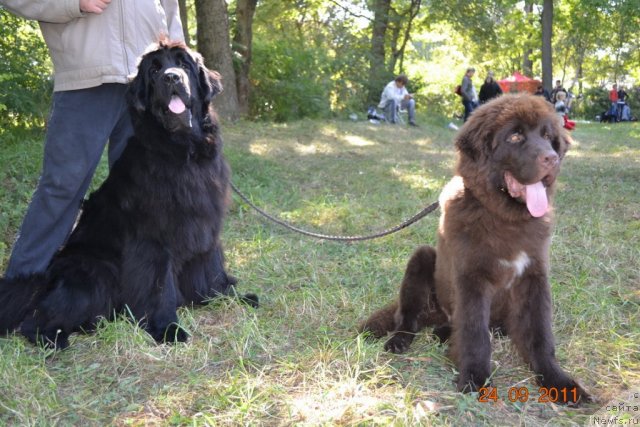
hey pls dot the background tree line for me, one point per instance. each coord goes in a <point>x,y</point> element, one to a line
<point>290,59</point>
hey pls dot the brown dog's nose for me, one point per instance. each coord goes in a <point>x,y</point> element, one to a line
<point>171,77</point>
<point>548,159</point>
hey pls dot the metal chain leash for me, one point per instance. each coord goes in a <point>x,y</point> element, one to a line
<point>417,217</point>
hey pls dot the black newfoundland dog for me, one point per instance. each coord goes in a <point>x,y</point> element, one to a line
<point>148,240</point>
<point>491,265</point>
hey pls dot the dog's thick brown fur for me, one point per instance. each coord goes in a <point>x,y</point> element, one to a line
<point>490,269</point>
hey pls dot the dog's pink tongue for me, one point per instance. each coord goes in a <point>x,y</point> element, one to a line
<point>536,197</point>
<point>176,105</point>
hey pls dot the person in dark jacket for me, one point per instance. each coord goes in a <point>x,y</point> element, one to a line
<point>489,89</point>
<point>541,91</point>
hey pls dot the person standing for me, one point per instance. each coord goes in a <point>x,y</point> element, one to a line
<point>395,97</point>
<point>490,89</point>
<point>94,46</point>
<point>556,89</point>
<point>468,92</point>
<point>613,98</point>
<point>541,91</point>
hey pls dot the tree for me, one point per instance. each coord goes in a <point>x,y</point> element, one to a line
<point>378,76</point>
<point>184,18</point>
<point>401,25</point>
<point>25,72</point>
<point>527,62</point>
<point>242,45</point>
<point>215,46</point>
<point>547,35</point>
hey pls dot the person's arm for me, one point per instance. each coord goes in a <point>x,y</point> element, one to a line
<point>467,92</point>
<point>55,11</point>
<point>172,12</point>
<point>405,94</point>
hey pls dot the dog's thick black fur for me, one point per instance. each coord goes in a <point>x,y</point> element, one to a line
<point>148,240</point>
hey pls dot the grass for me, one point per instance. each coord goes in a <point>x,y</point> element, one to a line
<point>297,360</point>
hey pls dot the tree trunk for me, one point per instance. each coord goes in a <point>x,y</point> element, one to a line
<point>414,9</point>
<point>527,63</point>
<point>547,35</point>
<point>245,9</point>
<point>215,46</point>
<point>377,73</point>
<point>184,17</point>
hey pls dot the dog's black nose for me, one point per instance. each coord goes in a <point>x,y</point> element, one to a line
<point>171,77</point>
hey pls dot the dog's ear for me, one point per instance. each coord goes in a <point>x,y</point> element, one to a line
<point>565,143</point>
<point>465,143</point>
<point>210,85</point>
<point>137,91</point>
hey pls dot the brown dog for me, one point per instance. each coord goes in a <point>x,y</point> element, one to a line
<point>492,263</point>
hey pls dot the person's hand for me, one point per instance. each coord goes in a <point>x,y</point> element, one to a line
<point>408,96</point>
<point>94,6</point>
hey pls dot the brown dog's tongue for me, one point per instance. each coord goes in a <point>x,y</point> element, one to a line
<point>536,198</point>
<point>176,105</point>
<point>535,195</point>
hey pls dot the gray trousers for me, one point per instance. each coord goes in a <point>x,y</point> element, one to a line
<point>80,123</point>
<point>391,110</point>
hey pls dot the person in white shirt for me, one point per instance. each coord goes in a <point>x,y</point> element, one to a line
<point>395,97</point>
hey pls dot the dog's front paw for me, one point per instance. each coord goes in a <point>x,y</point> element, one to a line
<point>48,338</point>
<point>171,334</point>
<point>472,380</point>
<point>399,342</point>
<point>565,390</point>
<point>46,335</point>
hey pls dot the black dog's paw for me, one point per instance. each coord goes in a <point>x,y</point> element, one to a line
<point>52,338</point>
<point>251,300</point>
<point>171,334</point>
<point>399,342</point>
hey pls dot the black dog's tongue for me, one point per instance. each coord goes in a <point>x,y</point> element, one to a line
<point>176,105</point>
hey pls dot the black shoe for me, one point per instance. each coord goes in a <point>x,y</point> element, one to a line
<point>413,124</point>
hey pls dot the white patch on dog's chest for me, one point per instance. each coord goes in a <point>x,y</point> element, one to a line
<point>518,266</point>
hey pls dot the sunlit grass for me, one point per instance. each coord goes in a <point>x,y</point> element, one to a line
<point>297,360</point>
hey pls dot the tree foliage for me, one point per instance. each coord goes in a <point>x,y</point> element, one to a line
<point>317,58</point>
<point>25,84</point>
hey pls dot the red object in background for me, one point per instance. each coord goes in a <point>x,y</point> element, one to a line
<point>568,124</point>
<point>519,83</point>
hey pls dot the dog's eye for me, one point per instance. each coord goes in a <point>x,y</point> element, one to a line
<point>516,137</point>
<point>183,63</point>
<point>547,136</point>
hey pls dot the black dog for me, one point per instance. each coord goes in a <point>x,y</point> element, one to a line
<point>147,241</point>
<point>607,117</point>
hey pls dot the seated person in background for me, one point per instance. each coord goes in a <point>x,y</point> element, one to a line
<point>395,97</point>
<point>622,95</point>
<point>489,89</point>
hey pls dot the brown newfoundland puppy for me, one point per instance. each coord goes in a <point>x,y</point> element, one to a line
<point>492,262</point>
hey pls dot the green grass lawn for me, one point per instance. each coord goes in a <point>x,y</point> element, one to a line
<point>297,360</point>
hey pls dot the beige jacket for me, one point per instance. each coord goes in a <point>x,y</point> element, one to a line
<point>88,50</point>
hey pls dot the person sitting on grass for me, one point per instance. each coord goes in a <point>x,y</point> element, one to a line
<point>395,97</point>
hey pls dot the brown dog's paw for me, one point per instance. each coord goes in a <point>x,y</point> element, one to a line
<point>399,342</point>
<point>565,392</point>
